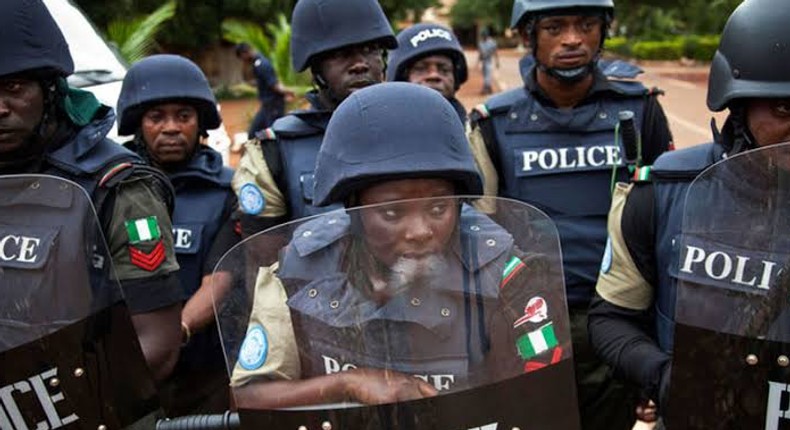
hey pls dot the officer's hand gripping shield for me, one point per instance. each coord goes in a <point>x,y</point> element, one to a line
<point>412,314</point>
<point>68,351</point>
<point>732,333</point>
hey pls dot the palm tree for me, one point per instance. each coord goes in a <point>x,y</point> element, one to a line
<point>136,38</point>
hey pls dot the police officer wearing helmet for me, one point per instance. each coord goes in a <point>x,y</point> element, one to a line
<point>343,43</point>
<point>422,154</point>
<point>167,105</point>
<point>632,316</point>
<point>556,144</point>
<point>46,127</point>
<point>430,55</point>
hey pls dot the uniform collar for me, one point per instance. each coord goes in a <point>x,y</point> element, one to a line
<point>600,85</point>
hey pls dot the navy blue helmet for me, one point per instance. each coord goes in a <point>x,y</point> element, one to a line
<point>524,8</point>
<point>160,78</point>
<point>30,39</point>
<point>319,26</point>
<point>393,131</point>
<point>753,60</point>
<point>422,40</point>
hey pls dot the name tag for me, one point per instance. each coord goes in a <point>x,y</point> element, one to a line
<point>25,247</point>
<point>543,161</point>
<point>710,263</point>
<point>186,238</point>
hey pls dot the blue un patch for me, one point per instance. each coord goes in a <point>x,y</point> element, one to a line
<point>606,263</point>
<point>254,349</point>
<point>251,199</point>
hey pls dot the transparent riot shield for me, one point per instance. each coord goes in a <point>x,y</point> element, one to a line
<point>69,356</point>
<point>418,314</point>
<point>731,345</point>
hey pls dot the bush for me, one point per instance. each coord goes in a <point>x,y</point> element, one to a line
<point>700,48</point>
<point>653,50</point>
<point>619,46</point>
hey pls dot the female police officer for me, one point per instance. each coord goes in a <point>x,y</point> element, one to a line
<point>406,270</point>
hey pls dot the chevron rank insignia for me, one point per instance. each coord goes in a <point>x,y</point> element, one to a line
<point>148,261</point>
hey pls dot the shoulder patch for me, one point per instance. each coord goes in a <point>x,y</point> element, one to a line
<point>513,266</point>
<point>113,171</point>
<point>142,229</point>
<point>251,199</point>
<point>536,311</point>
<point>642,174</point>
<point>254,349</point>
<point>482,111</point>
<point>606,262</point>
<point>266,134</point>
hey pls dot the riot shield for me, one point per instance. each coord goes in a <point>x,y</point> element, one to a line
<point>415,314</point>
<point>68,351</point>
<point>730,357</point>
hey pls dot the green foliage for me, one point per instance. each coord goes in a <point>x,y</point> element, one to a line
<point>619,46</point>
<point>478,13</point>
<point>658,50</point>
<point>399,10</point>
<point>136,38</point>
<point>277,48</point>
<point>700,48</point>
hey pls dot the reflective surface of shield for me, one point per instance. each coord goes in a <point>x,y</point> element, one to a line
<point>412,314</point>
<point>730,359</point>
<point>69,356</point>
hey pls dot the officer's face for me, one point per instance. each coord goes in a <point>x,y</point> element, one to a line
<point>567,42</point>
<point>414,231</point>
<point>21,110</point>
<point>769,120</point>
<point>170,132</point>
<point>353,67</point>
<point>435,71</point>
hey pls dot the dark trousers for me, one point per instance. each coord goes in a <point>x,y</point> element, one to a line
<point>604,402</point>
<point>265,117</point>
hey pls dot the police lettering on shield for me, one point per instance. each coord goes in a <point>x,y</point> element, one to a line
<point>11,417</point>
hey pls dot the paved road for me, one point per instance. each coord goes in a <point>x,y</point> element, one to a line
<point>684,101</point>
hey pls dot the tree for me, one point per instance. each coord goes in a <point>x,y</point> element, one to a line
<point>135,38</point>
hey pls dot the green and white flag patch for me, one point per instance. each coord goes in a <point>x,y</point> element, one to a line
<point>537,342</point>
<point>143,229</point>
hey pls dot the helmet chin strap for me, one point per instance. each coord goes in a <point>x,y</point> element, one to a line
<point>569,76</point>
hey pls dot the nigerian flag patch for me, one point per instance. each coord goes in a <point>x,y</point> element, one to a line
<point>142,229</point>
<point>536,342</point>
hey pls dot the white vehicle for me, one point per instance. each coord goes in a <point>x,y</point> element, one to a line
<point>99,69</point>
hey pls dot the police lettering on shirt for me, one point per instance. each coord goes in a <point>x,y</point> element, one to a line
<point>430,33</point>
<point>711,263</point>
<point>440,381</point>
<point>186,238</point>
<point>557,160</point>
<point>25,247</point>
<point>35,387</point>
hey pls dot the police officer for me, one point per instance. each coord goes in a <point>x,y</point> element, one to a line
<point>554,144</point>
<point>422,154</point>
<point>343,43</point>
<point>167,105</point>
<point>631,318</point>
<point>49,128</point>
<point>271,93</point>
<point>430,55</point>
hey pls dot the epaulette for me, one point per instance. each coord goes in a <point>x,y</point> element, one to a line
<point>112,176</point>
<point>618,69</point>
